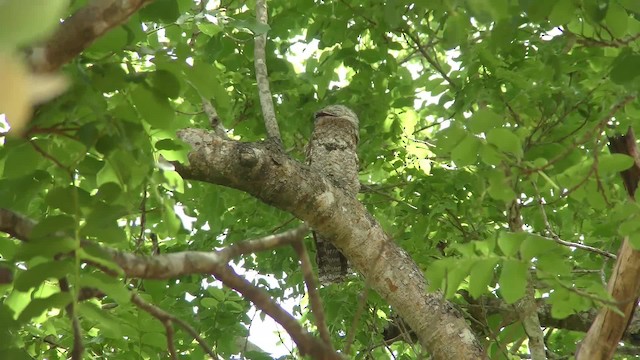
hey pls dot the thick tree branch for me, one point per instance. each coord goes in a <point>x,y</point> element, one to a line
<point>262,76</point>
<point>80,30</point>
<point>609,326</point>
<point>264,171</point>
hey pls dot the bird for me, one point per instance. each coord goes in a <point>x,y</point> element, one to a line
<point>332,152</point>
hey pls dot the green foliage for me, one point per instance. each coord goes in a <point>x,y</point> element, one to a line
<point>465,107</point>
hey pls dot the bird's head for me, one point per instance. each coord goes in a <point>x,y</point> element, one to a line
<point>339,111</point>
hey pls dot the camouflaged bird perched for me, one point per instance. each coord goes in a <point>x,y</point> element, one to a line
<point>332,152</point>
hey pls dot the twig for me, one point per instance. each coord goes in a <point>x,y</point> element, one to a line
<point>262,76</point>
<point>307,344</point>
<point>362,300</point>
<point>429,59</point>
<point>167,319</point>
<point>78,346</point>
<point>214,119</point>
<point>312,290</point>
<point>556,238</point>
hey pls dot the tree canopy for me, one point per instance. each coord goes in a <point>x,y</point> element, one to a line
<point>150,150</point>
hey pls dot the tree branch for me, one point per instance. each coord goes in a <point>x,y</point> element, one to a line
<point>80,30</point>
<point>527,307</point>
<point>167,320</point>
<point>609,326</point>
<point>312,290</point>
<point>262,76</point>
<point>266,172</point>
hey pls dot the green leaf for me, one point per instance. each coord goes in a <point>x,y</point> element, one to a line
<point>109,325</point>
<point>109,285</point>
<point>24,22</point>
<point>466,153</point>
<point>505,140</point>
<point>563,12</point>
<point>36,275</point>
<point>484,120</point>
<point>52,224</point>
<point>155,110</point>
<point>68,199</point>
<point>108,192</point>
<point>208,302</point>
<point>165,83</point>
<point>510,242</point>
<point>626,67</point>
<point>171,222</point>
<point>481,276</point>
<point>252,25</point>
<point>166,11</point>
<point>614,163</point>
<point>634,240</point>
<point>535,245</point>
<point>617,20</point>
<point>46,248</point>
<point>39,305</point>
<point>157,340</point>
<point>513,280</point>
<point>21,160</point>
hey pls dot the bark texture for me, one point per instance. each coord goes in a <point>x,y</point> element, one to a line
<point>264,171</point>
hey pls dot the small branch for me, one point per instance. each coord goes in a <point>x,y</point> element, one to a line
<point>214,119</point>
<point>262,76</point>
<point>167,319</point>
<point>307,344</point>
<point>556,238</point>
<point>362,301</point>
<point>78,346</point>
<point>312,290</point>
<point>527,307</point>
<point>430,60</point>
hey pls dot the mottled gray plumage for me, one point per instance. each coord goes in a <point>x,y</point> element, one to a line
<point>332,151</point>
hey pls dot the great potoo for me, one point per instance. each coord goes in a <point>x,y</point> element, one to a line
<point>332,152</point>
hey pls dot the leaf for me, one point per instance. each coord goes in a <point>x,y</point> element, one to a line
<point>617,20</point>
<point>466,153</point>
<point>52,224</point>
<point>484,120</point>
<point>109,285</point>
<point>535,245</point>
<point>481,276</point>
<point>625,68</point>
<point>24,22</point>
<point>614,163</point>
<point>505,140</point>
<point>250,24</point>
<point>456,274</point>
<point>109,325</point>
<point>563,12</point>
<point>21,160</point>
<point>45,248</point>
<point>155,110</point>
<point>37,306</point>
<point>36,275</point>
<point>68,199</point>
<point>165,83</point>
<point>513,280</point>
<point>157,340</point>
<point>208,302</point>
<point>510,242</point>
<point>166,11</point>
